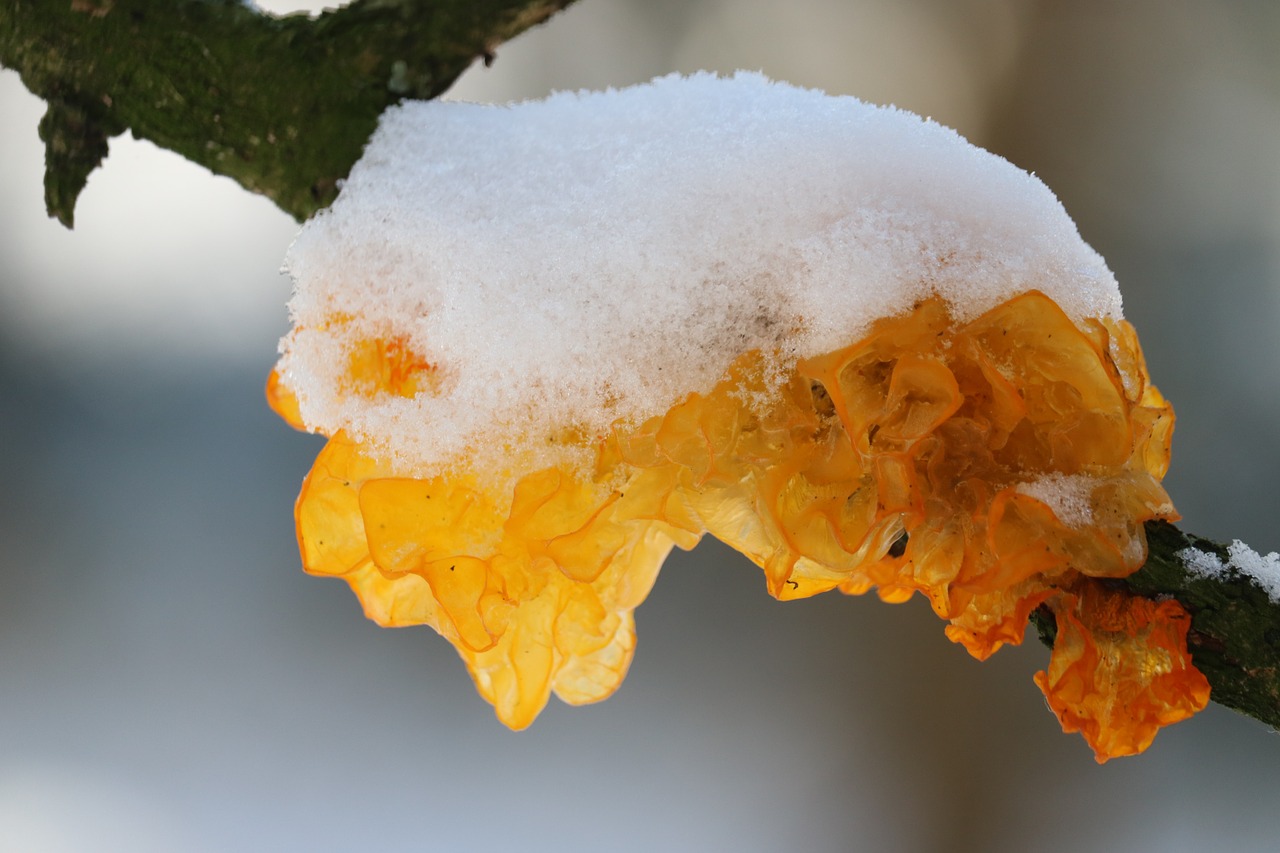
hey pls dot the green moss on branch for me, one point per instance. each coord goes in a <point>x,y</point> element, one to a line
<point>283,105</point>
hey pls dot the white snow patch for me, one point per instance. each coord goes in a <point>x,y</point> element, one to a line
<point>1264,571</point>
<point>600,255</point>
<point>1068,495</point>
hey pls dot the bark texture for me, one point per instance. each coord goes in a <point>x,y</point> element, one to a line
<point>283,105</point>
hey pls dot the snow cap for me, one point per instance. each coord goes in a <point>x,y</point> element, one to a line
<point>600,255</point>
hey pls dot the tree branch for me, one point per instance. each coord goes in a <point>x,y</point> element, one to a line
<point>1235,626</point>
<point>283,105</point>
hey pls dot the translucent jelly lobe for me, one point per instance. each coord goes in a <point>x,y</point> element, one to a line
<point>536,592</point>
<point>1120,669</point>
<point>990,465</point>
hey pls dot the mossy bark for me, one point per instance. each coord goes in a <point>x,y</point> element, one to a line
<point>283,105</point>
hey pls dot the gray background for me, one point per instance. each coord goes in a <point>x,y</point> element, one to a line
<point>169,680</point>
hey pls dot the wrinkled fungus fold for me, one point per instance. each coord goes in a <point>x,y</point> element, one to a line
<point>550,342</point>
<point>1120,669</point>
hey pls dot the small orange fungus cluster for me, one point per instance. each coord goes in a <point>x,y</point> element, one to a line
<point>1120,668</point>
<point>994,466</point>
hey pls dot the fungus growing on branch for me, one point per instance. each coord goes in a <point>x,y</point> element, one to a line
<point>551,341</point>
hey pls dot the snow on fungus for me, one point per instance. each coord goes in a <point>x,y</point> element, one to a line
<point>551,341</point>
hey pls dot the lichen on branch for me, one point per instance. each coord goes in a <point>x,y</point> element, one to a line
<point>283,105</point>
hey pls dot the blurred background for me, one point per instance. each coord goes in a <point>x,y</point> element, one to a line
<point>170,681</point>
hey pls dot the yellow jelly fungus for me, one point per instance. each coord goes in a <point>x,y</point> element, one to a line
<point>1120,669</point>
<point>905,462</point>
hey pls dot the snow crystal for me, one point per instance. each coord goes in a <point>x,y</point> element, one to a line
<point>1264,571</point>
<point>1068,495</point>
<point>600,255</point>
